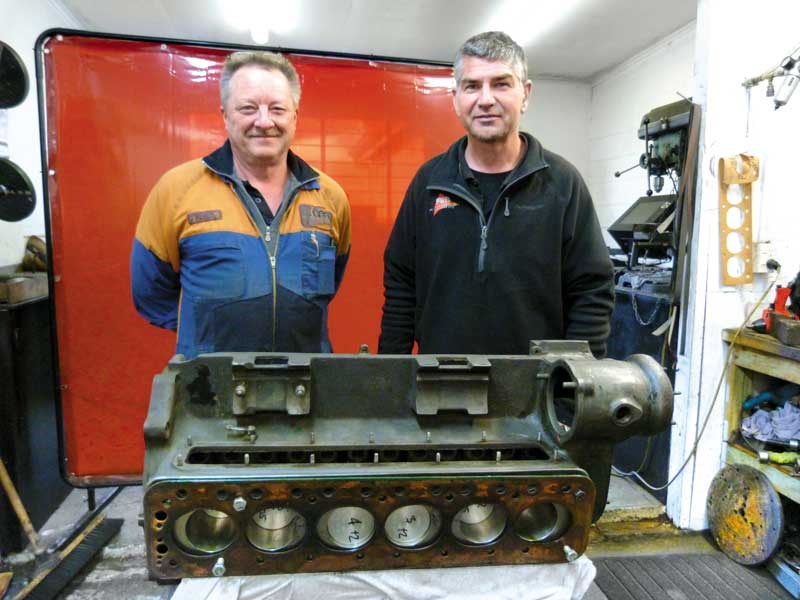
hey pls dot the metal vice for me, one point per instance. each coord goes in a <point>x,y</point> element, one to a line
<point>270,463</point>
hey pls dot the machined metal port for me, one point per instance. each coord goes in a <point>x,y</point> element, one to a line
<point>413,526</point>
<point>479,524</point>
<point>346,528</point>
<point>543,522</point>
<point>276,529</point>
<point>204,531</point>
<point>561,400</point>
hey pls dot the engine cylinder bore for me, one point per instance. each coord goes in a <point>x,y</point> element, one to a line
<point>543,522</point>
<point>479,524</point>
<point>204,531</point>
<point>346,528</point>
<point>413,526</point>
<point>276,529</point>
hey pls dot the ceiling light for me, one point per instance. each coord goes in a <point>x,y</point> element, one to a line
<point>260,32</point>
<point>525,21</point>
<point>261,17</point>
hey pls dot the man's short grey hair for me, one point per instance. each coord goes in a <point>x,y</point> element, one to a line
<point>494,46</point>
<point>266,60</point>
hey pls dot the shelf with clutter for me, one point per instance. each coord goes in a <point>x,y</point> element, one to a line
<point>764,387</point>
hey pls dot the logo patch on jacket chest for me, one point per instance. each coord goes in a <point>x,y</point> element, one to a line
<point>442,202</point>
<point>314,216</point>
<point>204,215</point>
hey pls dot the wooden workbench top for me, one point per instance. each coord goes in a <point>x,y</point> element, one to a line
<point>762,343</point>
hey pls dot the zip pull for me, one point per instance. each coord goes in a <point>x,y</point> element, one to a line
<point>482,252</point>
<point>314,240</point>
<point>268,236</point>
<point>506,212</point>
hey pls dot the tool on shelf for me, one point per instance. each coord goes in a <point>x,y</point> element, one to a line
<point>782,318</point>
<point>777,397</point>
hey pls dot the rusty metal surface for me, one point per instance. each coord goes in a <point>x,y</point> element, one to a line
<point>312,498</point>
<point>299,463</point>
<point>745,515</point>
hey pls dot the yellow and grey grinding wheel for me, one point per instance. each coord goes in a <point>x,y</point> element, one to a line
<point>745,515</point>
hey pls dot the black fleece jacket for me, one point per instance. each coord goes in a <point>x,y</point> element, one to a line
<point>538,268</point>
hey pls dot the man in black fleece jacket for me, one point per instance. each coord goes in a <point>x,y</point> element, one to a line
<point>497,242</point>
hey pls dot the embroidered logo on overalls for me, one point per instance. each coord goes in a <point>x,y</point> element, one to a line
<point>314,216</point>
<point>203,216</point>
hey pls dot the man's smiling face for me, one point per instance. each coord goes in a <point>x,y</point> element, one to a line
<point>489,99</point>
<point>260,115</point>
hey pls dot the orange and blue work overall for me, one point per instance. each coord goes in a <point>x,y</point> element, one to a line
<point>205,262</point>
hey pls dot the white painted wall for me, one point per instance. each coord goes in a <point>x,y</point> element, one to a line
<point>558,116</point>
<point>735,42</point>
<point>619,100</point>
<point>19,139</point>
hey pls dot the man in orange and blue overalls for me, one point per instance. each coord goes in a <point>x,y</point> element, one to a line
<point>244,249</point>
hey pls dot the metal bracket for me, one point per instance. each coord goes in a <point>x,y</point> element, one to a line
<point>452,383</point>
<point>281,384</point>
<point>559,347</point>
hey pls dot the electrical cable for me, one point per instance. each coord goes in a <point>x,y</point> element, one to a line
<point>725,368</point>
<point>672,179</point>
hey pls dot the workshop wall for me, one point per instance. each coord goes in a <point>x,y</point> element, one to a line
<point>735,41</point>
<point>558,116</point>
<point>19,126</point>
<point>620,98</point>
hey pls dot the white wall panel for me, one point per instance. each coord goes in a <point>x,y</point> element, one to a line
<point>558,116</point>
<point>21,26</point>
<point>620,98</point>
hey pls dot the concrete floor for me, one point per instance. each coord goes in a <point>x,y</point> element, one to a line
<point>120,572</point>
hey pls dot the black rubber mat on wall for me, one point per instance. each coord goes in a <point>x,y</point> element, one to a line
<point>676,577</point>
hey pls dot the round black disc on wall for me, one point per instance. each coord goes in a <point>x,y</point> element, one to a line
<point>13,77</point>
<point>17,197</point>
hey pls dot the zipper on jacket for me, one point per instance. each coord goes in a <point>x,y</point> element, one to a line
<point>485,224</point>
<point>464,195</point>
<point>273,262</point>
<point>482,251</point>
<point>267,239</point>
<point>315,242</point>
<point>481,220</point>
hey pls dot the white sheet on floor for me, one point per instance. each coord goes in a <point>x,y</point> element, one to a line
<point>568,581</point>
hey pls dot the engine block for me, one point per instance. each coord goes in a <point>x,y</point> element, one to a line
<point>288,463</point>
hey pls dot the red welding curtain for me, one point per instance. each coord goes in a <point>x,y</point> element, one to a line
<point>119,114</point>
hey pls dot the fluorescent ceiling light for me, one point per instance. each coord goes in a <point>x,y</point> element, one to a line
<point>259,31</point>
<point>261,17</point>
<point>527,20</point>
